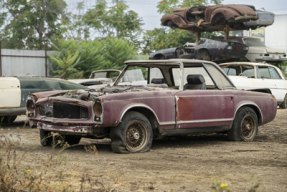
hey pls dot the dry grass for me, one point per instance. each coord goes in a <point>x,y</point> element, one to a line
<point>14,176</point>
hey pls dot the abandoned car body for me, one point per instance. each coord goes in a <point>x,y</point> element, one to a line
<point>14,91</point>
<point>196,96</point>
<point>258,51</point>
<point>210,18</point>
<point>102,78</point>
<point>247,75</point>
<point>209,50</point>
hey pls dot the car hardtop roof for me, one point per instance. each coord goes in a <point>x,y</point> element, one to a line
<point>247,63</point>
<point>167,62</point>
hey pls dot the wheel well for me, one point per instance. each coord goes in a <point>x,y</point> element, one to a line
<point>201,53</point>
<point>150,116</point>
<point>158,57</point>
<point>218,19</point>
<point>256,110</point>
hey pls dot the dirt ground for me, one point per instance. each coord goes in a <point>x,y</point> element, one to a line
<point>173,164</point>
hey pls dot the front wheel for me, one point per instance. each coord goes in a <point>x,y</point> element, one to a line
<point>245,125</point>
<point>133,134</point>
<point>45,138</point>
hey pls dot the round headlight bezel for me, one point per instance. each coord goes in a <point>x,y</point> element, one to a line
<point>97,110</point>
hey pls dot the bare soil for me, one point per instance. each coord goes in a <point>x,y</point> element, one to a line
<point>173,164</point>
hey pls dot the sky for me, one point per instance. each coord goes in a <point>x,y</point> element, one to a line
<point>147,9</point>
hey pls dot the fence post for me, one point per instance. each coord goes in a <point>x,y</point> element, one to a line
<point>0,60</point>
<point>46,60</point>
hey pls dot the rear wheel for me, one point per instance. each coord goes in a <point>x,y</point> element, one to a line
<point>284,104</point>
<point>245,125</point>
<point>133,134</point>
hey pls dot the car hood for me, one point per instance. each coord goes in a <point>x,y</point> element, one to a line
<point>91,94</point>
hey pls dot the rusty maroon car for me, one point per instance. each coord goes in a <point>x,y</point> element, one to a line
<point>182,97</point>
<point>210,18</point>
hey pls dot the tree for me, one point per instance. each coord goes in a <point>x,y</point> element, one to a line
<point>163,38</point>
<point>115,21</point>
<point>109,53</point>
<point>67,65</point>
<point>30,24</point>
<point>167,6</point>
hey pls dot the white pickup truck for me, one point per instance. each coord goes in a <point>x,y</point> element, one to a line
<point>247,75</point>
<point>14,91</point>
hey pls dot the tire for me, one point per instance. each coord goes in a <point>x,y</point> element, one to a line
<point>8,119</point>
<point>133,134</point>
<point>245,125</point>
<point>207,56</point>
<point>45,138</point>
<point>284,104</point>
<point>72,140</point>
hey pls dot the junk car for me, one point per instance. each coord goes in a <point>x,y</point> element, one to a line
<point>14,91</point>
<point>258,51</point>
<point>102,78</point>
<point>247,76</point>
<point>182,97</point>
<point>209,50</point>
<point>212,18</point>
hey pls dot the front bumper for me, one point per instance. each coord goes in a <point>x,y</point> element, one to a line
<point>82,130</point>
<point>271,59</point>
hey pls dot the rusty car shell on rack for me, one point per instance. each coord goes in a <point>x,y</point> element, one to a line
<point>214,18</point>
<point>197,96</point>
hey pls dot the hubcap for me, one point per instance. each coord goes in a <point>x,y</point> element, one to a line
<point>136,136</point>
<point>248,127</point>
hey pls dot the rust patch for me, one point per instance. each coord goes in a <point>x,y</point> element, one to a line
<point>184,109</point>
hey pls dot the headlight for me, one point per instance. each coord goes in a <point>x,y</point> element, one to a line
<point>229,47</point>
<point>30,107</point>
<point>246,48</point>
<point>98,110</point>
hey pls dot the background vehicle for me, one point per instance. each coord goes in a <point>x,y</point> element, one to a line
<point>102,78</point>
<point>258,50</point>
<point>197,97</point>
<point>14,91</point>
<point>209,50</point>
<point>246,75</point>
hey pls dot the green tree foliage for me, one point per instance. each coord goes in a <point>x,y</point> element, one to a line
<point>167,6</point>
<point>109,53</point>
<point>116,21</point>
<point>163,38</point>
<point>29,24</point>
<point>76,28</point>
<point>67,64</point>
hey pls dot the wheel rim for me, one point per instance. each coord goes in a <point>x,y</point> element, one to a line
<point>136,136</point>
<point>248,127</point>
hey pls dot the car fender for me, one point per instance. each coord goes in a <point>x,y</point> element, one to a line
<point>253,105</point>
<point>229,14</point>
<point>135,105</point>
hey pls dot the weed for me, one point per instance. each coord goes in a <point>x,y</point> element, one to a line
<point>218,186</point>
<point>14,176</point>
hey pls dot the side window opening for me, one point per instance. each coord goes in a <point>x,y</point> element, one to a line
<point>273,73</point>
<point>264,72</point>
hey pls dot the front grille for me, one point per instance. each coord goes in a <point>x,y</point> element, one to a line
<point>63,110</point>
